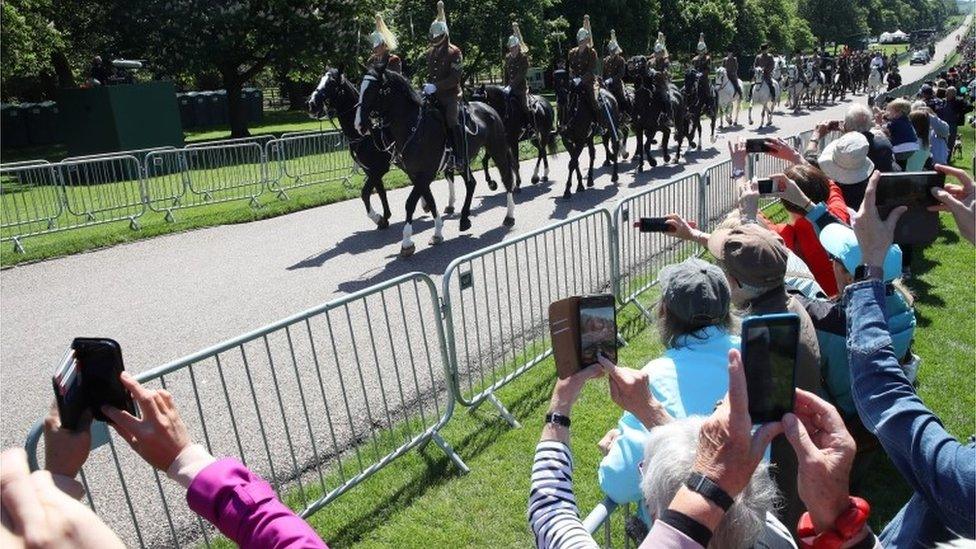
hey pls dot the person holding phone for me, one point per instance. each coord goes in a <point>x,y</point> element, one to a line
<point>940,469</point>
<point>224,492</point>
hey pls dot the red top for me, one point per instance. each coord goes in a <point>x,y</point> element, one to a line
<point>801,238</point>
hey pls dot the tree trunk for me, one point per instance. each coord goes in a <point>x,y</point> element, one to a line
<point>236,113</point>
<point>66,78</point>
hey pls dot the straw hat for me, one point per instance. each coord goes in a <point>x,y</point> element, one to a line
<point>845,160</point>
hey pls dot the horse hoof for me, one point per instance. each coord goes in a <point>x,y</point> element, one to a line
<point>382,223</point>
<point>589,182</point>
<point>567,194</point>
<point>614,178</point>
<point>517,190</point>
<point>492,186</point>
<point>545,179</point>
<point>535,179</point>
<point>606,163</point>
<point>426,207</point>
<point>509,222</point>
<point>435,240</point>
<point>626,155</point>
<point>465,224</point>
<point>449,210</point>
<point>407,251</point>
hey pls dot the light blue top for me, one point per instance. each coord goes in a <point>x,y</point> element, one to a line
<point>688,380</point>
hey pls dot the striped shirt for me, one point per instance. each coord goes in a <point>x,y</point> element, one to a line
<point>553,515</point>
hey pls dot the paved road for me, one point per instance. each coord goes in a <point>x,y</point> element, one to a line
<point>166,297</point>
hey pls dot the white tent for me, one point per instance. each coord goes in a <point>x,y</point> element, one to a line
<point>885,38</point>
<point>900,36</point>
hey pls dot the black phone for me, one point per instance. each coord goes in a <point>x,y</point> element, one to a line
<point>757,145</point>
<point>769,350</point>
<point>912,189</point>
<point>87,378</point>
<point>598,328</point>
<point>655,225</point>
<point>765,185</point>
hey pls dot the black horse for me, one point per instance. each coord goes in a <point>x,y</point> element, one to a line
<point>419,139</point>
<point>643,121</point>
<point>700,99</point>
<point>538,128</point>
<point>336,97</point>
<point>579,125</point>
<point>668,110</point>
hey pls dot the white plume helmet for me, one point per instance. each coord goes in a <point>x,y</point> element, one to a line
<point>439,26</point>
<point>659,46</point>
<point>585,33</point>
<point>516,39</point>
<point>613,46</point>
<point>382,34</point>
<point>701,42</point>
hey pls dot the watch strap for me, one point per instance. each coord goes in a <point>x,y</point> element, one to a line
<point>868,272</point>
<point>687,526</point>
<point>737,173</point>
<point>711,491</point>
<point>558,419</point>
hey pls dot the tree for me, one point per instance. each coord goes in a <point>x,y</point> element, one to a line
<point>636,23</point>
<point>834,20</point>
<point>239,38</point>
<point>682,22</point>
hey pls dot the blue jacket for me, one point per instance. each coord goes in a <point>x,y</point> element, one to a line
<point>903,137</point>
<point>688,380</point>
<point>940,469</point>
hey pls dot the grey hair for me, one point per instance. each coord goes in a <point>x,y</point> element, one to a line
<point>668,460</point>
<point>859,118</point>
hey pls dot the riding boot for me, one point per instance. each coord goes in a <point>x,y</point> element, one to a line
<point>459,148</point>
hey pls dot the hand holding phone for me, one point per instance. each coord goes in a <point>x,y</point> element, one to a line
<point>757,145</point>
<point>918,225</point>
<point>770,344</point>
<point>87,378</point>
<point>582,328</point>
<point>655,225</point>
<point>765,185</point>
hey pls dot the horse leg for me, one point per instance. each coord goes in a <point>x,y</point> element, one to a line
<point>406,245</point>
<point>510,211</point>
<point>591,148</point>
<point>573,163</point>
<point>639,151</point>
<point>665,139</point>
<point>616,151</point>
<point>514,151</point>
<point>606,150</point>
<point>438,236</point>
<point>364,194</point>
<point>540,153</point>
<point>466,207</point>
<point>449,210</point>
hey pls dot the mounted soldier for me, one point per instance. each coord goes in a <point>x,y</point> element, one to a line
<point>767,63</point>
<point>731,64</point>
<point>614,68</point>
<point>516,69</point>
<point>582,68</point>
<point>384,43</point>
<point>703,61</point>
<point>444,80</point>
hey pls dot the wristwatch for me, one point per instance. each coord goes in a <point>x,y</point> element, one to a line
<point>737,173</point>
<point>868,272</point>
<point>711,491</point>
<point>558,419</point>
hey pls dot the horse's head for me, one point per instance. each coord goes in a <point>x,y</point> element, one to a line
<point>480,93</point>
<point>721,76</point>
<point>373,84</point>
<point>635,69</point>
<point>691,79</point>
<point>757,74</point>
<point>322,101</point>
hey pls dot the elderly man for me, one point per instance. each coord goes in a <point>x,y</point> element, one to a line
<point>860,119</point>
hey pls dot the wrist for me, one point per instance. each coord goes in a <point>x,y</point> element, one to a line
<point>697,507</point>
<point>652,414</point>
<point>824,516</point>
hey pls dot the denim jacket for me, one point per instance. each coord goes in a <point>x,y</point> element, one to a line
<point>940,469</point>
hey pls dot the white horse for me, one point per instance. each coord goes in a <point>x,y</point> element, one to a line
<point>796,87</point>
<point>761,95</point>
<point>815,81</point>
<point>779,75</point>
<point>728,98</point>
<point>875,78</point>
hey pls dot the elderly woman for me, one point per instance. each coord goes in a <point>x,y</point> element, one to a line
<point>696,327</point>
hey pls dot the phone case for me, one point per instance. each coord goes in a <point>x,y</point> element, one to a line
<point>565,332</point>
<point>751,322</point>
<point>99,363</point>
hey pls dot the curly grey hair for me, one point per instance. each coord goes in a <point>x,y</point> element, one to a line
<point>668,459</point>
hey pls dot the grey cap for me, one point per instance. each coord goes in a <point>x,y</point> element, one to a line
<point>695,292</point>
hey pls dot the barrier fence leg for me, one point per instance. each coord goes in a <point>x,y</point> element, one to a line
<point>647,314</point>
<point>438,440</point>
<point>18,247</point>
<point>502,411</point>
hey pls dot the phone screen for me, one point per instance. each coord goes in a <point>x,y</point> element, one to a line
<point>598,328</point>
<point>756,145</point>
<point>765,185</point>
<point>907,189</point>
<point>655,225</point>
<point>769,347</point>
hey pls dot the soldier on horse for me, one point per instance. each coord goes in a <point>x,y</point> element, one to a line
<point>384,43</point>
<point>767,63</point>
<point>516,70</point>
<point>444,81</point>
<point>614,69</point>
<point>582,69</point>
<point>731,64</point>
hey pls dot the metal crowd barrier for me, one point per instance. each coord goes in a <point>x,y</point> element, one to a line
<point>259,140</point>
<point>307,159</point>
<point>496,300</point>
<point>641,255</point>
<point>221,173</point>
<point>314,403</point>
<point>101,190</point>
<point>599,517</point>
<point>31,200</point>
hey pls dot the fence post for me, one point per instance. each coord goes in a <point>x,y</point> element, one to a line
<point>702,192</point>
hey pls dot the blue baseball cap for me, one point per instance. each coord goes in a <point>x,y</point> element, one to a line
<point>841,244</point>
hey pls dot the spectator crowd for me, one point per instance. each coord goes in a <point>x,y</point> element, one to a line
<point>685,450</point>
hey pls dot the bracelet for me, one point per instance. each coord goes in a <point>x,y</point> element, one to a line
<point>849,524</point>
<point>687,526</point>
<point>709,489</point>
<point>558,419</point>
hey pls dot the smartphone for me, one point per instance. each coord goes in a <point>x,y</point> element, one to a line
<point>912,189</point>
<point>757,145</point>
<point>765,185</point>
<point>87,378</point>
<point>654,225</point>
<point>598,328</point>
<point>769,350</point>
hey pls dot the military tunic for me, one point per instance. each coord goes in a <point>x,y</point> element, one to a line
<point>516,69</point>
<point>702,63</point>
<point>614,69</point>
<point>444,71</point>
<point>582,65</point>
